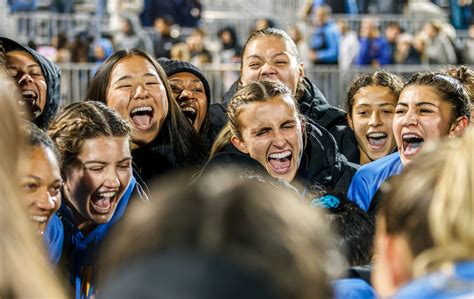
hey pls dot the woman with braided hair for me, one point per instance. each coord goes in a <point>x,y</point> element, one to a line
<point>95,160</point>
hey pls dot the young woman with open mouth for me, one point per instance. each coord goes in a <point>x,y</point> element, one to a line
<point>132,83</point>
<point>371,104</point>
<point>430,106</point>
<point>40,185</point>
<point>96,165</point>
<point>264,124</point>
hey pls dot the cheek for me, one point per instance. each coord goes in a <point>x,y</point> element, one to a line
<point>248,76</point>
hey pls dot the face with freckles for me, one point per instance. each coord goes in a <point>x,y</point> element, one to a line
<point>188,91</point>
<point>137,93</point>
<point>96,181</point>
<point>40,185</point>
<point>271,133</point>
<point>371,120</point>
<point>270,58</point>
<point>30,79</point>
<point>421,115</point>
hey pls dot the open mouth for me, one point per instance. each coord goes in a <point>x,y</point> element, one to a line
<point>102,203</point>
<point>412,144</point>
<point>29,100</point>
<point>142,117</point>
<point>280,162</point>
<point>377,140</point>
<point>190,112</point>
<point>41,222</point>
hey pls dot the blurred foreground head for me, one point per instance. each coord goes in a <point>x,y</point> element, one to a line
<point>426,216</point>
<point>24,270</point>
<point>221,237</point>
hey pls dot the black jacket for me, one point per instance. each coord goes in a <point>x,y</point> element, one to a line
<point>52,75</point>
<point>321,163</point>
<point>314,106</point>
<point>216,119</point>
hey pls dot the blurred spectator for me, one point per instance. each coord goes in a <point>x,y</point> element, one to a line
<point>424,8</point>
<point>116,8</point>
<point>102,49</point>
<point>301,43</point>
<point>438,46</point>
<point>324,43</point>
<point>468,46</point>
<point>349,46</point>
<point>461,13</point>
<point>185,13</point>
<point>337,7</point>
<point>373,47</point>
<point>164,37</point>
<point>405,51</point>
<point>80,48</point>
<point>199,52</point>
<point>388,6</point>
<point>58,51</point>
<point>132,35</point>
<point>231,50</point>
<point>392,31</point>
<point>188,13</point>
<point>181,51</point>
<point>62,6</point>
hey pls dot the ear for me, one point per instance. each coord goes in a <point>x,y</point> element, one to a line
<point>399,259</point>
<point>239,144</point>
<point>349,121</point>
<point>301,69</point>
<point>458,127</point>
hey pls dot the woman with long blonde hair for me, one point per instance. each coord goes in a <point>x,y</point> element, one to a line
<point>24,270</point>
<point>425,238</point>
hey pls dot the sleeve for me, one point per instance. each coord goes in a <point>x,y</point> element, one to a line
<point>359,190</point>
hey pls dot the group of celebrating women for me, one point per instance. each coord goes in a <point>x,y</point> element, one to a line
<point>82,167</point>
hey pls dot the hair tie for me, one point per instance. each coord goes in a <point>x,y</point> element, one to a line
<point>327,202</point>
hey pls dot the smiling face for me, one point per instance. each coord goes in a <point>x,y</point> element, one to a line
<point>188,91</point>
<point>40,185</point>
<point>137,93</point>
<point>94,185</point>
<point>270,58</point>
<point>371,121</point>
<point>420,115</point>
<point>30,79</point>
<point>271,133</point>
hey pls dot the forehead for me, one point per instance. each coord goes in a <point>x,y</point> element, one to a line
<point>374,94</point>
<point>105,148</point>
<point>43,158</point>
<point>419,93</point>
<point>133,66</point>
<point>272,109</point>
<point>20,57</point>
<point>184,76</point>
<point>267,45</point>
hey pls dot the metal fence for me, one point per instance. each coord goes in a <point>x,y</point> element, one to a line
<point>332,82</point>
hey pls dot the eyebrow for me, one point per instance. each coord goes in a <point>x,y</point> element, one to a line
<point>130,77</point>
<point>419,104</point>
<point>104,163</point>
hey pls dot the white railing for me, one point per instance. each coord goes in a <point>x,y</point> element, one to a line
<point>332,82</point>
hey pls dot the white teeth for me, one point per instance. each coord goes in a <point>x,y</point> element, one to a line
<point>280,155</point>
<point>108,194</point>
<point>140,109</point>
<point>39,218</point>
<point>376,135</point>
<point>188,109</point>
<point>28,93</point>
<point>411,136</point>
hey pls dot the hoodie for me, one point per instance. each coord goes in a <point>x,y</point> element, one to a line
<point>52,75</point>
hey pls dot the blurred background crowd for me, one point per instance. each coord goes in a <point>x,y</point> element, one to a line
<point>403,36</point>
